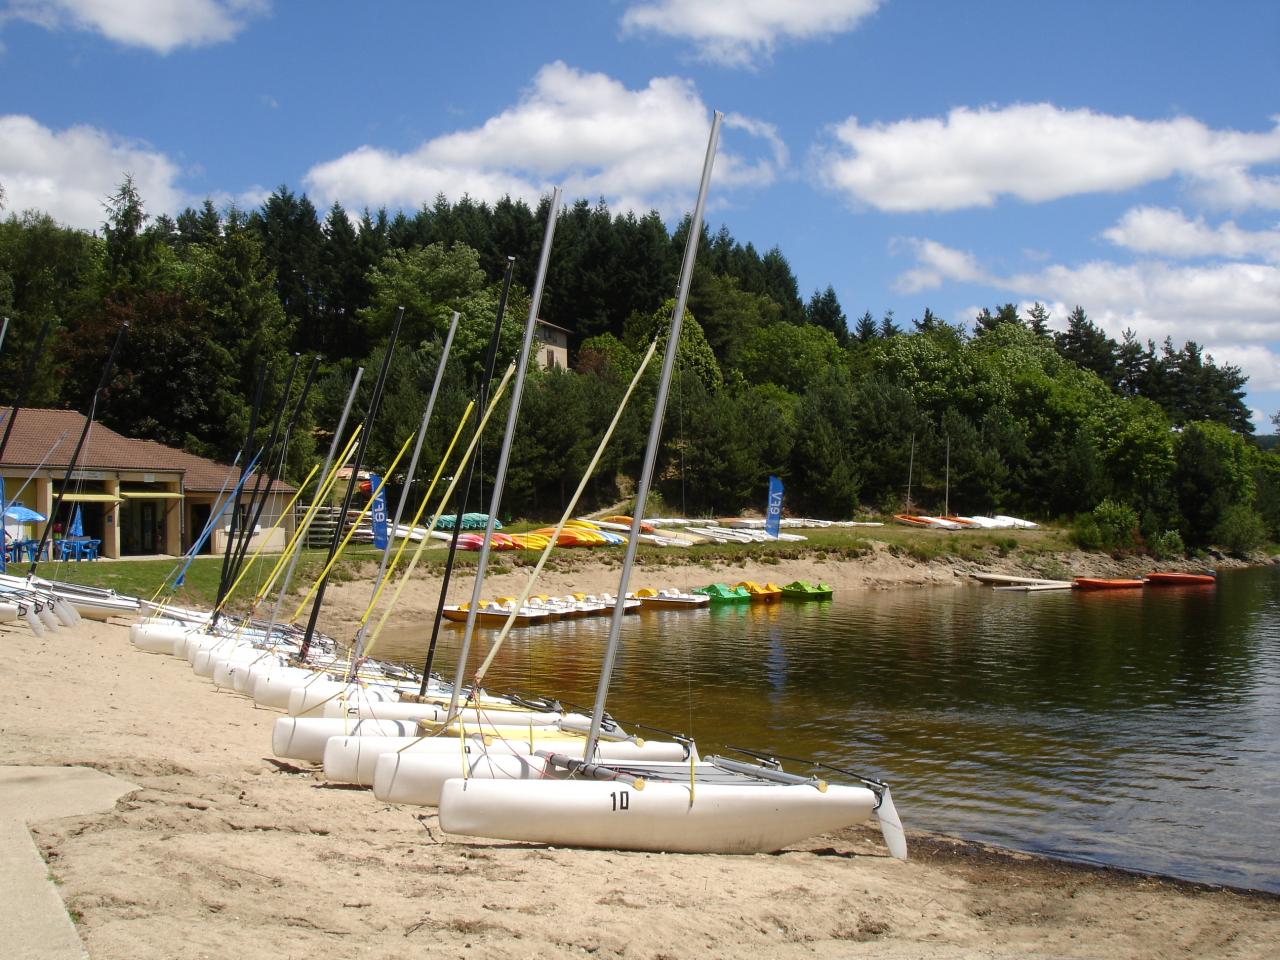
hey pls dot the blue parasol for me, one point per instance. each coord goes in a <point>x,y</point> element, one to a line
<point>77,525</point>
<point>17,512</point>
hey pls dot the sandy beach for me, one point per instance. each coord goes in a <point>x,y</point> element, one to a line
<point>226,852</point>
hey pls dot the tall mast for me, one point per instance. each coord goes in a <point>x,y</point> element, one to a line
<point>655,435</point>
<point>371,415</point>
<point>324,472</point>
<point>500,475</point>
<point>490,359</point>
<point>408,485</point>
<point>75,454</point>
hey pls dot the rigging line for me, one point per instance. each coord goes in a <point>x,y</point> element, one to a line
<point>258,502</point>
<point>655,434</point>
<point>328,461</point>
<point>193,549</point>
<point>364,512</point>
<point>371,415</point>
<point>573,503</point>
<point>312,509</point>
<point>262,546</point>
<point>417,553</point>
<point>285,440</point>
<point>426,498</point>
<point>233,526</point>
<point>490,358</point>
<point>358,646</point>
<point>504,456</point>
<point>75,455</point>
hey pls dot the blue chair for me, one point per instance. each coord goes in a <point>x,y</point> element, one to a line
<point>90,549</point>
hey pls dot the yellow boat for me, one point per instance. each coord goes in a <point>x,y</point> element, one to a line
<point>768,593</point>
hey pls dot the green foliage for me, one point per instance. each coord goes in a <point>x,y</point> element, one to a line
<point>1117,525</point>
<point>1213,472</point>
<point>1240,530</point>
<point>1167,545</point>
<point>788,355</point>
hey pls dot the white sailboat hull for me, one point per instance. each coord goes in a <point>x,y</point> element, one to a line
<point>670,817</point>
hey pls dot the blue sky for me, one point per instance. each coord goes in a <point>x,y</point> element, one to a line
<point>1124,156</point>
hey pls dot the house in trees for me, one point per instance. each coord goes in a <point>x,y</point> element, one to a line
<point>137,497</point>
<point>553,345</point>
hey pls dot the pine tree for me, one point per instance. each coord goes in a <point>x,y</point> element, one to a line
<point>824,311</point>
<point>866,329</point>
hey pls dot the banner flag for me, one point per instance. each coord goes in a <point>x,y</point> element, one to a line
<point>379,513</point>
<point>773,515</point>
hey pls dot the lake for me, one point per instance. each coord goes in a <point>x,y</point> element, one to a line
<point>1139,729</point>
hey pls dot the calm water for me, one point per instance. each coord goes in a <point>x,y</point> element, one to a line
<point>1140,729</point>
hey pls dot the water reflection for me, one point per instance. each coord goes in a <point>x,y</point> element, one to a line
<point>1137,728</point>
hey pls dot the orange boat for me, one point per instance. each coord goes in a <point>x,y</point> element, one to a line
<point>1102,583</point>
<point>1170,578</point>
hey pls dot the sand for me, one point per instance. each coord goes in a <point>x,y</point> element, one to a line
<point>225,852</point>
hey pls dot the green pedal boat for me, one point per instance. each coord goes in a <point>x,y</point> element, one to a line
<point>804,590</point>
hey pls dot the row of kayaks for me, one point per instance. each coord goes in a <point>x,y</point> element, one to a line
<point>1170,578</point>
<point>542,609</point>
<point>955,522</point>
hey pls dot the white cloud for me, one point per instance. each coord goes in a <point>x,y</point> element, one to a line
<point>639,149</point>
<point>159,25</point>
<point>1039,152</point>
<point>68,174</point>
<point>737,32</point>
<point>937,264</point>
<point>1169,233</point>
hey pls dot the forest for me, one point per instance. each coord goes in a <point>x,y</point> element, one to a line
<point>1135,442</point>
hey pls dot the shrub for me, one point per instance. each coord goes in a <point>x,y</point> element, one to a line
<point>1240,530</point>
<point>1167,546</point>
<point>1085,533</point>
<point>1117,524</point>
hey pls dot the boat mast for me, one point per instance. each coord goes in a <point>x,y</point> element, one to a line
<point>655,434</point>
<point>324,472</point>
<point>486,375</point>
<point>75,454</point>
<point>358,646</point>
<point>946,496</point>
<point>911,463</point>
<point>375,401</point>
<point>500,475</point>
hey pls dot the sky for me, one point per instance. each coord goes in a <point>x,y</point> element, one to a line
<point>1119,156</point>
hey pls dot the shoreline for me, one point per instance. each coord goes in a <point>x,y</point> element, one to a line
<point>225,851</point>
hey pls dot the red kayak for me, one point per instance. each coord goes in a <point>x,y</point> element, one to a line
<point>1172,579</point>
<point>1100,583</point>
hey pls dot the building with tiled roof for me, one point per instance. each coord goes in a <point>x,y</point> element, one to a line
<point>137,497</point>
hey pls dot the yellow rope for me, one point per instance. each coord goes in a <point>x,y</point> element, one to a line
<point>573,503</point>
<point>417,553</point>
<point>321,495</point>
<point>395,561</point>
<point>261,546</point>
<point>351,533</point>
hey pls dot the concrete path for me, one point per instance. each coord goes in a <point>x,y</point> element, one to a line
<point>35,921</point>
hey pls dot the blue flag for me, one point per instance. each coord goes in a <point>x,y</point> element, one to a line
<point>773,515</point>
<point>378,514</point>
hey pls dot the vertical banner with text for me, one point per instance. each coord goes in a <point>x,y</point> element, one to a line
<point>773,515</point>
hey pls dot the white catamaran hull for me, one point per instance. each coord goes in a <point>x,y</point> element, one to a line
<point>670,817</point>
<point>418,776</point>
